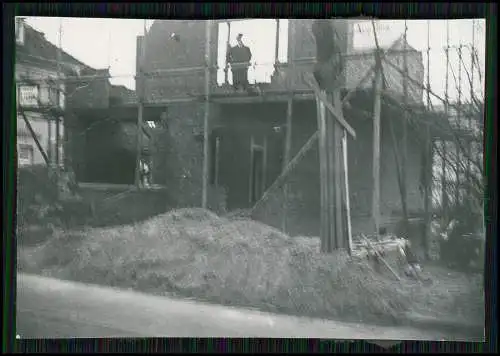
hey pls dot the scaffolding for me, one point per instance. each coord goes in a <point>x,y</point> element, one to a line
<point>333,128</point>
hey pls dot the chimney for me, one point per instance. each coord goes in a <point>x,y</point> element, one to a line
<point>19,29</point>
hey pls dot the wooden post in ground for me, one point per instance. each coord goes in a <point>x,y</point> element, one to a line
<point>347,197</point>
<point>343,178</point>
<point>286,160</point>
<point>342,238</point>
<point>323,178</point>
<point>140,109</point>
<point>331,187</point>
<point>404,158</point>
<point>335,176</point>
<point>376,151</point>
<point>208,57</point>
<point>289,118</point>
<point>58,104</point>
<point>427,190</point>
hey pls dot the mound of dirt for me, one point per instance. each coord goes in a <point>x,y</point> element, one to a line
<point>195,253</point>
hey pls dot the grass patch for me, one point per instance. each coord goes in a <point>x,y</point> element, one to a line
<point>194,253</point>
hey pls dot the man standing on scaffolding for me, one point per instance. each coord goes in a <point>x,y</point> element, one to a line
<point>239,58</point>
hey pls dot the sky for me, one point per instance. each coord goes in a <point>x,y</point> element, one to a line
<point>103,43</point>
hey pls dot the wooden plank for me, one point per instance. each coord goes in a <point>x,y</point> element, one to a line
<point>208,56</point>
<point>322,96</point>
<point>404,160</point>
<point>347,195</point>
<point>380,258</point>
<point>331,180</point>
<point>376,152</point>
<point>340,178</point>
<point>323,178</point>
<point>266,97</point>
<point>286,158</point>
<point>427,190</point>
<point>339,172</point>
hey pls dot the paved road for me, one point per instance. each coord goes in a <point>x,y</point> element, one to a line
<point>49,307</point>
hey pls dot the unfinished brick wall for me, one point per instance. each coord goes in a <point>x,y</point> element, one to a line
<point>163,52</point>
<point>183,152</point>
<point>89,93</point>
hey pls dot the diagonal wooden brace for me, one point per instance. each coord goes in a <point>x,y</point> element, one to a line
<point>289,167</point>
<point>35,138</point>
<point>321,96</point>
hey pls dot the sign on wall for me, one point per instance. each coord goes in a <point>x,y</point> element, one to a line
<point>28,95</point>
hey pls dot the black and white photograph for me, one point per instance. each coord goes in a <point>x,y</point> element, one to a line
<point>312,178</point>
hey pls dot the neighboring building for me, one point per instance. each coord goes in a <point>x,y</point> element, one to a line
<point>98,118</point>
<point>36,72</point>
<point>248,131</point>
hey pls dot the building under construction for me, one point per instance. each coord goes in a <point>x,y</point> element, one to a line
<point>253,135</point>
<point>270,149</point>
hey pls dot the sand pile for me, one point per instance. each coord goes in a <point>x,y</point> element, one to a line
<point>195,253</point>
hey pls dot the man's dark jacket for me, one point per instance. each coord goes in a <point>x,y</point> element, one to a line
<point>240,54</point>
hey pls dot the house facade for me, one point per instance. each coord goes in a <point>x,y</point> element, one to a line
<point>247,130</point>
<point>36,75</point>
<point>97,131</point>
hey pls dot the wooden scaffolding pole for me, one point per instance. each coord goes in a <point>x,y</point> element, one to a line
<point>376,134</point>
<point>347,196</point>
<point>140,109</point>
<point>444,181</point>
<point>404,158</point>
<point>228,47</point>
<point>336,179</point>
<point>429,157</point>
<point>325,234</point>
<point>208,58</point>
<point>289,119</point>
<point>277,44</point>
<point>58,99</point>
<point>459,124</point>
<point>472,96</point>
<point>286,159</point>
<point>376,151</point>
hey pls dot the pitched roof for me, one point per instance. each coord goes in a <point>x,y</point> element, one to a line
<point>37,48</point>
